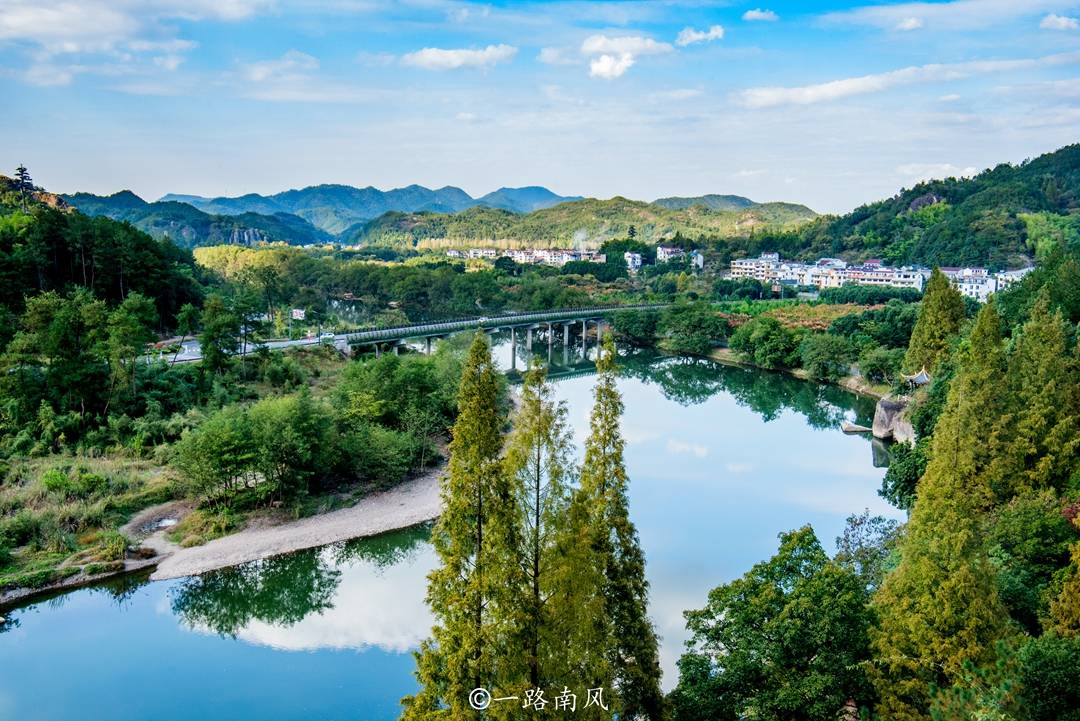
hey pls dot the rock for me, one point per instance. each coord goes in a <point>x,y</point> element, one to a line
<point>849,427</point>
<point>891,421</point>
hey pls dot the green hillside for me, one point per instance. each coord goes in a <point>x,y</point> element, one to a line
<point>587,223</point>
<point>711,201</point>
<point>1006,216</point>
<point>190,227</point>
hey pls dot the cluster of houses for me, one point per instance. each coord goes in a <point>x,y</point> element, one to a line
<point>977,283</point>
<point>531,256</point>
<point>559,257</point>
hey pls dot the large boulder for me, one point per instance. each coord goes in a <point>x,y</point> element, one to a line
<point>891,421</point>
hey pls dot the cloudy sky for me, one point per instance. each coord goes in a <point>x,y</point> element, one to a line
<point>827,103</point>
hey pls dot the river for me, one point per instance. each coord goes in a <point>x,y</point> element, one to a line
<point>721,460</point>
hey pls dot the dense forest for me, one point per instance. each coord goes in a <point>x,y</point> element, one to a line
<point>1004,217</point>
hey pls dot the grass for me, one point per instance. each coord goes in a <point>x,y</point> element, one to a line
<point>60,515</point>
<point>204,525</point>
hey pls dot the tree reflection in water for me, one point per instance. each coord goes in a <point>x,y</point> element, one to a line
<point>691,381</point>
<point>283,590</point>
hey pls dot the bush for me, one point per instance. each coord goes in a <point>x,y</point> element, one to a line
<point>825,356</point>
<point>692,328</point>
<point>765,342</point>
<point>637,326</point>
<point>881,365</point>
<point>1050,678</point>
<point>112,546</point>
<point>381,455</point>
<point>907,463</point>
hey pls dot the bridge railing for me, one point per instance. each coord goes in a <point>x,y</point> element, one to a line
<point>419,330</point>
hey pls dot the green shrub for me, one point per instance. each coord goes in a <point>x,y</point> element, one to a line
<point>825,356</point>
<point>112,546</point>
<point>881,365</point>
<point>765,342</point>
<point>57,482</point>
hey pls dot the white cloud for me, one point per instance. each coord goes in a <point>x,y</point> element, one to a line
<point>1059,22</point>
<point>919,172</point>
<point>47,76</point>
<point>950,98</point>
<point>632,44</point>
<point>678,94</point>
<point>555,56</point>
<point>764,97</point>
<point>613,56</point>
<point>689,36</point>
<point>910,24</point>
<point>441,59</point>
<point>99,25</point>
<point>682,447</point>
<point>610,66</point>
<point>169,62</point>
<point>759,15</point>
<point>954,15</point>
<point>290,63</point>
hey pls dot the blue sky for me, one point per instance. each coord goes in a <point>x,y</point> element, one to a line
<point>827,103</point>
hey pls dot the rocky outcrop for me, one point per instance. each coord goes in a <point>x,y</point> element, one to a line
<point>891,421</point>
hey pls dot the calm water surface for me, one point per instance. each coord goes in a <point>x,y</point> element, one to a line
<point>721,460</point>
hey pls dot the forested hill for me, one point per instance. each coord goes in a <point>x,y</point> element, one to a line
<point>1006,216</point>
<point>46,246</point>
<point>190,227</point>
<point>588,222</point>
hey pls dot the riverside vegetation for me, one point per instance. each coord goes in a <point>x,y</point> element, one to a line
<point>970,609</point>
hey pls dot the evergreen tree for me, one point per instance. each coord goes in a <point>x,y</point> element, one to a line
<point>940,316</point>
<point>1042,423</point>
<point>538,465</point>
<point>219,331</point>
<point>603,498</point>
<point>24,184</point>
<point>940,610</point>
<point>469,538</point>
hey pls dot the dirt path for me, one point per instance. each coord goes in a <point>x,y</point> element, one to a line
<point>412,502</point>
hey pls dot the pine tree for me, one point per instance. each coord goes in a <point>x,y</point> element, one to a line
<point>1065,609</point>
<point>603,497</point>
<point>538,464</point>
<point>476,504</point>
<point>940,316</point>
<point>1043,419</point>
<point>24,184</point>
<point>940,609</point>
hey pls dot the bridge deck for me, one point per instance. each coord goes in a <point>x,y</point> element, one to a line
<point>423,330</point>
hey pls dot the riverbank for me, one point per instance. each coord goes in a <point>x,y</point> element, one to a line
<point>855,384</point>
<point>412,502</point>
<point>415,501</point>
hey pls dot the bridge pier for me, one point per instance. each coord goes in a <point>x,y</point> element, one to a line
<point>528,339</point>
<point>513,348</point>
<point>427,345</point>
<point>551,340</point>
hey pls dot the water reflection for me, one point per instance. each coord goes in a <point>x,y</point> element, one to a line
<point>721,459</point>
<point>359,594</point>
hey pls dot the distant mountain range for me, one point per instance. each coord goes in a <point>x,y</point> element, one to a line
<point>407,216</point>
<point>337,208</point>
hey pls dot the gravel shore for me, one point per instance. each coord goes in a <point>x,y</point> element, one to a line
<point>408,504</point>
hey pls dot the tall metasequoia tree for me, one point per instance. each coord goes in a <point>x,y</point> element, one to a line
<point>631,657</point>
<point>940,316</point>
<point>476,506</point>
<point>1041,422</point>
<point>940,607</point>
<point>538,465</point>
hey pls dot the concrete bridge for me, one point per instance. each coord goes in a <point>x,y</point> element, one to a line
<point>530,323</point>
